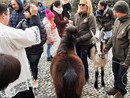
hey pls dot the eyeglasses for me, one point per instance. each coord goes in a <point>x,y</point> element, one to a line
<point>82,4</point>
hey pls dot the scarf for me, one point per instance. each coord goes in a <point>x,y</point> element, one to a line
<point>53,24</point>
<point>58,10</point>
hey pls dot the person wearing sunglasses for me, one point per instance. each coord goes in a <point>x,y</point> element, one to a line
<point>85,22</point>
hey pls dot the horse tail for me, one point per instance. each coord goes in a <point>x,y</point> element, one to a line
<point>70,78</point>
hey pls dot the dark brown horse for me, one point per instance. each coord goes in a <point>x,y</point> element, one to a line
<point>67,69</point>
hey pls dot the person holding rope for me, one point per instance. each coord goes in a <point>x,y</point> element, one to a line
<point>120,43</point>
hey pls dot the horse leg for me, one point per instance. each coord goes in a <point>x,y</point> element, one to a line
<point>102,77</point>
<point>96,79</point>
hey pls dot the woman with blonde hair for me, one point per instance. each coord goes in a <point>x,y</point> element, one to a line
<point>85,22</point>
<point>88,4</point>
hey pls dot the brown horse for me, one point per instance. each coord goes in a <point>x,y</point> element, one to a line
<point>67,69</point>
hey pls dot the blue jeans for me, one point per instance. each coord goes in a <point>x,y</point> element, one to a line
<point>49,50</point>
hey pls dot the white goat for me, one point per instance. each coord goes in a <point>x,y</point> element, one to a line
<point>99,59</point>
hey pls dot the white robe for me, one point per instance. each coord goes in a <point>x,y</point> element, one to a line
<point>14,41</point>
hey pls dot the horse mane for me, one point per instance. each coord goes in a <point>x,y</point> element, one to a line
<point>67,69</point>
<point>68,40</point>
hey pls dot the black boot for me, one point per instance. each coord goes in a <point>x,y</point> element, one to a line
<point>112,91</point>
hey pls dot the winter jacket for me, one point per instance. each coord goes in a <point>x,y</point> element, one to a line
<point>66,10</point>
<point>60,23</point>
<point>41,10</point>
<point>52,34</point>
<point>120,41</point>
<point>17,16</point>
<point>25,23</point>
<point>105,19</point>
<point>85,24</point>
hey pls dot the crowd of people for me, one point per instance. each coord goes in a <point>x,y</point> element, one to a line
<point>25,30</point>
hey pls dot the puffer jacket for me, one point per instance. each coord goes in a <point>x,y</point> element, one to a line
<point>105,19</point>
<point>41,10</point>
<point>120,41</point>
<point>52,34</point>
<point>85,24</point>
<point>25,23</point>
<point>17,16</point>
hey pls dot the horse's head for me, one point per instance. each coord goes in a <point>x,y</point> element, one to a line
<point>70,32</point>
<point>68,40</point>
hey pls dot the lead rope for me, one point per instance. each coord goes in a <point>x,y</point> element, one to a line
<point>123,74</point>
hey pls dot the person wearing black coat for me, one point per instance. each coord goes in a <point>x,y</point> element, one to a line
<point>66,9</point>
<point>33,52</point>
<point>105,20</point>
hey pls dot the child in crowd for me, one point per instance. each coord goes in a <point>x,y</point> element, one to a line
<point>52,32</point>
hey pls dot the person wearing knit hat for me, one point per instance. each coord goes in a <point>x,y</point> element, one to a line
<point>49,14</point>
<point>121,7</point>
<point>120,49</point>
<point>52,32</point>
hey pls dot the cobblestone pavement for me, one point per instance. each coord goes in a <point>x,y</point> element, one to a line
<point>46,88</point>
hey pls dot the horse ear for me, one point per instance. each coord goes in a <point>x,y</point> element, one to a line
<point>72,29</point>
